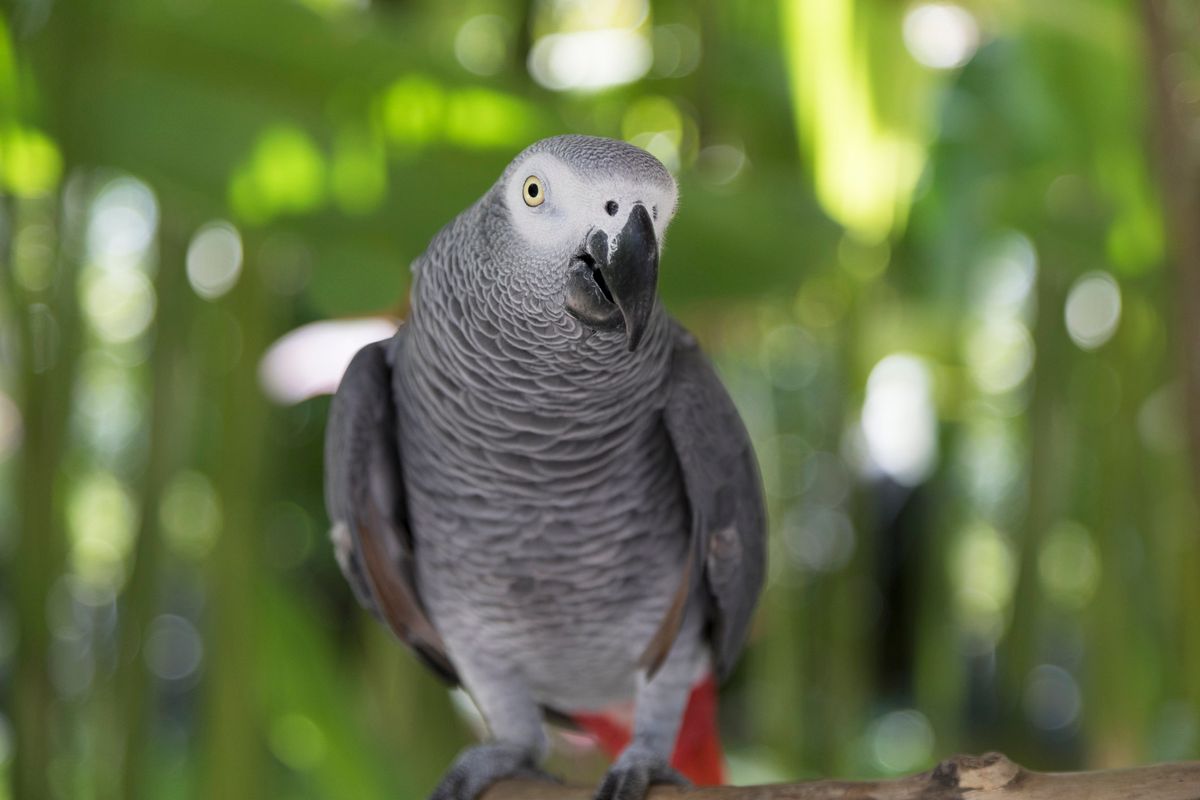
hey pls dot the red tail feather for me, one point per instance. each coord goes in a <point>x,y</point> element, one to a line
<point>697,750</point>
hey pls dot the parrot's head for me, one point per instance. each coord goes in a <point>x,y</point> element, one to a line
<point>589,216</point>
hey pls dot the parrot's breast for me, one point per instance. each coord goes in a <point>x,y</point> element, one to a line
<point>549,536</point>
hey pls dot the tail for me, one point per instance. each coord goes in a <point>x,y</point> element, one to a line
<point>697,750</point>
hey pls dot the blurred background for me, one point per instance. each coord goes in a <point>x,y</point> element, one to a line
<point>945,254</point>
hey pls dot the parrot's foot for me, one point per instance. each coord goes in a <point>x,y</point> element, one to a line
<point>631,777</point>
<point>477,768</point>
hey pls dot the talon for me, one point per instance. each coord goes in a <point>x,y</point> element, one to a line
<point>477,768</point>
<point>631,777</point>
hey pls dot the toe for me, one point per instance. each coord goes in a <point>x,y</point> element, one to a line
<point>667,774</point>
<point>625,783</point>
<point>479,767</point>
<point>631,777</point>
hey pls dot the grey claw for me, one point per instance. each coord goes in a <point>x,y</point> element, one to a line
<point>631,777</point>
<point>477,768</point>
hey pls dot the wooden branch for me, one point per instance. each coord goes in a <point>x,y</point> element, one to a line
<point>987,777</point>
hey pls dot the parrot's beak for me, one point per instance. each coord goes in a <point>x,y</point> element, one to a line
<point>606,287</point>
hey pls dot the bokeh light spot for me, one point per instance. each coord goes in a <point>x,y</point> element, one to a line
<point>1069,565</point>
<point>990,462</point>
<point>999,354</point>
<point>122,224</point>
<point>173,649</point>
<point>1160,420</point>
<point>721,164</point>
<point>190,514</point>
<point>30,163</point>
<point>983,571</point>
<point>899,424</point>
<point>901,741</point>
<point>412,110</point>
<point>1007,276</point>
<point>819,539</point>
<point>285,175</point>
<point>655,124</point>
<point>119,304</point>
<point>101,518</point>
<point>109,406</point>
<point>1093,310</point>
<point>941,35</point>
<point>297,741</point>
<point>676,50</point>
<point>590,60</point>
<point>214,259</point>
<point>481,44</point>
<point>481,118</point>
<point>1052,698</point>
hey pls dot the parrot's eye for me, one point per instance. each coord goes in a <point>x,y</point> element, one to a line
<point>533,192</point>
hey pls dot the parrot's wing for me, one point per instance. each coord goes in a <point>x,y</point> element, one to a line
<point>364,495</point>
<point>724,491</point>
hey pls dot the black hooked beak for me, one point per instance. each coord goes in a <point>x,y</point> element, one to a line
<point>604,289</point>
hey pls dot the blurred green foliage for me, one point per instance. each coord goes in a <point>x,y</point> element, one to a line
<point>924,242</point>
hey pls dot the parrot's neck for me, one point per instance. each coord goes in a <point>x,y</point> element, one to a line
<point>505,342</point>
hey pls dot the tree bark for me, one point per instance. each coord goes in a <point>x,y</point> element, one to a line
<point>987,777</point>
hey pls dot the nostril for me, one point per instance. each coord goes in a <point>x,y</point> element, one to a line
<point>611,207</point>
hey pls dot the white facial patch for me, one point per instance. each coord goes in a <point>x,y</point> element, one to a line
<point>572,207</point>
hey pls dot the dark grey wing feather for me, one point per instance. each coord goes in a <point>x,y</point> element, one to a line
<point>364,495</point>
<point>724,490</point>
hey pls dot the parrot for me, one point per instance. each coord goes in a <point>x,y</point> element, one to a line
<point>540,484</point>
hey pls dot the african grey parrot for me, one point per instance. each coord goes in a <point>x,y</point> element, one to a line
<point>539,483</point>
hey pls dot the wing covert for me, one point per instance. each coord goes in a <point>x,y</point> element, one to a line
<point>724,490</point>
<point>364,496</point>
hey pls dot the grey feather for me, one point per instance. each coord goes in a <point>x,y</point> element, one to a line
<point>364,495</point>
<point>724,492</point>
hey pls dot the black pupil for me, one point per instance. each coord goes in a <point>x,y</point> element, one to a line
<point>533,190</point>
